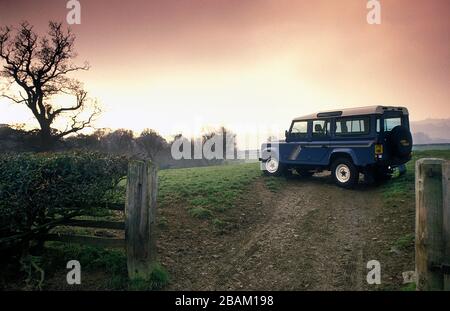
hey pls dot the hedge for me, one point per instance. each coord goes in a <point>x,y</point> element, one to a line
<point>35,189</point>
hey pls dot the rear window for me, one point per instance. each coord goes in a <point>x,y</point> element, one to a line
<point>352,126</point>
<point>390,123</point>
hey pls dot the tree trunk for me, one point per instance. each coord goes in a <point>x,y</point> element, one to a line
<point>46,139</point>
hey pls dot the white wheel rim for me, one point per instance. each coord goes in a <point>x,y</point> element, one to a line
<point>272,165</point>
<point>342,173</point>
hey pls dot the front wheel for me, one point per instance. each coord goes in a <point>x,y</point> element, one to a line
<point>345,173</point>
<point>273,167</point>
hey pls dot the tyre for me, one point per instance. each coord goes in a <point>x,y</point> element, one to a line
<point>400,142</point>
<point>273,167</point>
<point>344,172</point>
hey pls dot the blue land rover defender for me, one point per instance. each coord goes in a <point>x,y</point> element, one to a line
<point>369,140</point>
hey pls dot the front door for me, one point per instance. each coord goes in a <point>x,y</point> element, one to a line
<point>316,152</point>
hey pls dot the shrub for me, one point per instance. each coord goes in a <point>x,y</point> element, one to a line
<point>37,188</point>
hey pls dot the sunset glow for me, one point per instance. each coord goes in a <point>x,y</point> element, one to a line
<point>177,66</point>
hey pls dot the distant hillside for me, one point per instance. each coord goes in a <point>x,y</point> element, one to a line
<point>431,131</point>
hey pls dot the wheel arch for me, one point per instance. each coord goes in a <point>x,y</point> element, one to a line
<point>343,153</point>
<point>269,151</point>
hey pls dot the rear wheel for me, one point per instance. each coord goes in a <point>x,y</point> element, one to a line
<point>344,172</point>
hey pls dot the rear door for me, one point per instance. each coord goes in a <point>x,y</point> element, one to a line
<point>388,121</point>
<point>354,134</point>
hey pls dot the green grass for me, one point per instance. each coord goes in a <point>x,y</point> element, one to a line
<point>274,184</point>
<point>219,224</point>
<point>200,212</point>
<point>158,279</point>
<point>401,188</point>
<point>111,262</point>
<point>213,188</point>
<point>205,191</point>
<point>405,241</point>
<point>409,287</point>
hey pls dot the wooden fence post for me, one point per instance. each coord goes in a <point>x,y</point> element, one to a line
<point>429,224</point>
<point>446,219</point>
<point>140,206</point>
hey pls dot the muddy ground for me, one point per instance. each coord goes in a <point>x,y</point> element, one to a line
<point>309,235</point>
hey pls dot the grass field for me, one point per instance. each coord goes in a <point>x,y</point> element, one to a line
<point>206,190</point>
<point>216,188</point>
<point>400,189</point>
<point>403,187</point>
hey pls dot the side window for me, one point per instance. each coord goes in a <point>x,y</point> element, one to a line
<point>352,126</point>
<point>378,125</point>
<point>300,128</point>
<point>321,128</point>
<point>390,123</point>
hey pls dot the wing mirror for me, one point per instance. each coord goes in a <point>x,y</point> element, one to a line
<point>286,134</point>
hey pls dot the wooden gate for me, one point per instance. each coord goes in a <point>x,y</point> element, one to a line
<point>432,224</point>
<point>139,221</point>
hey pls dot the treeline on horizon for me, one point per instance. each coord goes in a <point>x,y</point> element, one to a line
<point>149,144</point>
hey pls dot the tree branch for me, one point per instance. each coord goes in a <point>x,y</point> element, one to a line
<point>40,67</point>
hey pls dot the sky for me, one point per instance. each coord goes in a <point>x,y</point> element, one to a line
<point>252,65</point>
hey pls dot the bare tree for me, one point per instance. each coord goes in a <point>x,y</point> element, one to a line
<point>39,66</point>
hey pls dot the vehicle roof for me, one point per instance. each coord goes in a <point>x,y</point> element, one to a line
<point>352,112</point>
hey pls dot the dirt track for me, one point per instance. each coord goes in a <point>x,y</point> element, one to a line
<point>311,235</point>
